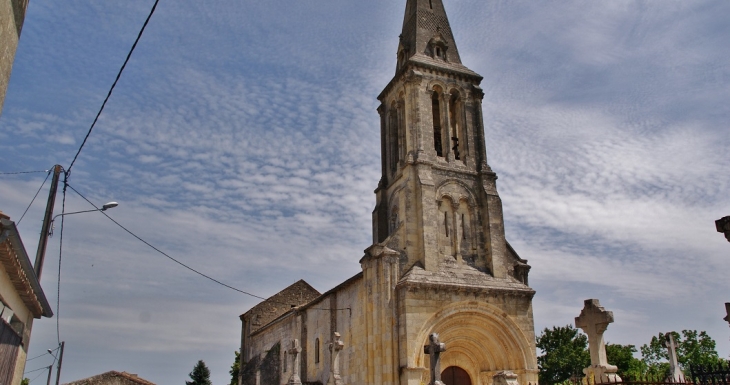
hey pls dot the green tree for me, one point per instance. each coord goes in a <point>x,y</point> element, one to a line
<point>200,375</point>
<point>235,368</point>
<point>693,348</point>
<point>565,353</point>
<point>25,381</point>
<point>623,357</point>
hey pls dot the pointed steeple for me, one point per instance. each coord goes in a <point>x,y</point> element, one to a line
<point>427,33</point>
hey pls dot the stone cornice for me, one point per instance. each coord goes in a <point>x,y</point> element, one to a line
<point>460,288</point>
<point>415,63</point>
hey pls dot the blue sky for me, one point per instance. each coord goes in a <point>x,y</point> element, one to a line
<point>243,140</point>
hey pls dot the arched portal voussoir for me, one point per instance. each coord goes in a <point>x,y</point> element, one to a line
<point>490,339</point>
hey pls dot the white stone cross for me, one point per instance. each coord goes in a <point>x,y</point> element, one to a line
<point>672,352</point>
<point>434,349</point>
<point>294,352</point>
<point>335,347</point>
<point>594,320</point>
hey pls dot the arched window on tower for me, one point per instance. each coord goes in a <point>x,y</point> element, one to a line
<point>393,222</point>
<point>393,138</point>
<point>456,133</point>
<point>436,110</point>
<point>401,128</point>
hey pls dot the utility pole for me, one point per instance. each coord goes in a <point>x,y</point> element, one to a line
<point>50,370</point>
<point>60,361</point>
<point>43,241</point>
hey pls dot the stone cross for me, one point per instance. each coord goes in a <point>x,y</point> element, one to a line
<point>594,320</point>
<point>434,349</point>
<point>674,370</point>
<point>294,352</point>
<point>335,347</point>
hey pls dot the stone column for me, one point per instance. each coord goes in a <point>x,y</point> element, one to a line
<point>434,349</point>
<point>335,347</point>
<point>294,352</point>
<point>594,320</point>
<point>674,371</point>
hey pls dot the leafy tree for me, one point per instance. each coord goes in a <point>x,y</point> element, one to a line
<point>235,368</point>
<point>623,357</point>
<point>693,348</point>
<point>200,375</point>
<point>25,381</point>
<point>565,353</point>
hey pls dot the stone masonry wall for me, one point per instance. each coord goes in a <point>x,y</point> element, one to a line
<point>12,14</point>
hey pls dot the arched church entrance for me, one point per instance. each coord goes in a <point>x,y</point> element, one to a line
<point>454,375</point>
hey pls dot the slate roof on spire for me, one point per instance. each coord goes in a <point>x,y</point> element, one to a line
<point>425,26</point>
<point>424,20</point>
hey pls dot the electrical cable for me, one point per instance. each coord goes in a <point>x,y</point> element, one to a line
<point>38,375</point>
<point>41,355</point>
<point>24,172</point>
<point>33,200</point>
<point>173,259</point>
<point>60,254</point>
<point>35,370</point>
<point>119,74</point>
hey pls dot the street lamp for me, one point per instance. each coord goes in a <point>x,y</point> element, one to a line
<point>105,207</point>
<point>723,226</point>
<point>47,231</point>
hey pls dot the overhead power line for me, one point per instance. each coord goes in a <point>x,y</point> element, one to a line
<point>60,254</point>
<point>178,262</point>
<point>162,252</point>
<point>109,94</point>
<point>34,196</point>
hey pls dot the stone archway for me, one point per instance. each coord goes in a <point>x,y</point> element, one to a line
<point>481,340</point>
<point>454,375</point>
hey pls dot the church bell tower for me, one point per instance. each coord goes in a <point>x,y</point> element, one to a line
<point>437,199</point>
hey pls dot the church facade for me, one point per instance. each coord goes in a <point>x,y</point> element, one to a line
<point>439,262</point>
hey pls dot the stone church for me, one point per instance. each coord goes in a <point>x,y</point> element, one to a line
<point>439,262</point>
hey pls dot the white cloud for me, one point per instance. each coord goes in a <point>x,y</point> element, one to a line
<point>243,140</point>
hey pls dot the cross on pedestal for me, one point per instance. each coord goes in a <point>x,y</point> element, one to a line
<point>434,349</point>
<point>294,352</point>
<point>335,347</point>
<point>594,320</point>
<point>671,346</point>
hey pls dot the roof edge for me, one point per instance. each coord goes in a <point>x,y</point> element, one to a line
<point>10,231</point>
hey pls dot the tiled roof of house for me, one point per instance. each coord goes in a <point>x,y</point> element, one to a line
<point>104,378</point>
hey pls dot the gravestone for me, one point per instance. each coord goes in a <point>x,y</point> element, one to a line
<point>674,370</point>
<point>434,350</point>
<point>295,368</point>
<point>335,347</point>
<point>594,320</point>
